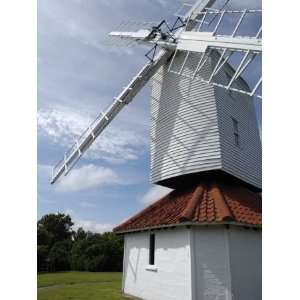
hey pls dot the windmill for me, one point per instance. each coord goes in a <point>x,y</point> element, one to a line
<point>202,111</point>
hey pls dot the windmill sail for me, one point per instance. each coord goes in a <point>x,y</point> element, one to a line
<point>238,47</point>
<point>99,124</point>
<point>193,36</point>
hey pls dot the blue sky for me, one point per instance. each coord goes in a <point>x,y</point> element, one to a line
<point>78,76</point>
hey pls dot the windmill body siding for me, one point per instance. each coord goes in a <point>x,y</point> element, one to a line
<point>243,161</point>
<point>192,127</point>
<point>172,279</point>
<point>184,132</point>
<point>200,263</point>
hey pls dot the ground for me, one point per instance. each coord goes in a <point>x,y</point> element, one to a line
<point>80,286</point>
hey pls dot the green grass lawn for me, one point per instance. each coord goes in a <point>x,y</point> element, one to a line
<point>80,286</point>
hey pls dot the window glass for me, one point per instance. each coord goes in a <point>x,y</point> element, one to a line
<point>236,139</point>
<point>151,249</point>
<point>235,125</point>
<point>236,131</point>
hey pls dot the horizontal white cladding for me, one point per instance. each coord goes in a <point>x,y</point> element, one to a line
<point>181,152</point>
<point>192,127</point>
<point>243,161</point>
<point>171,173</point>
<point>184,132</point>
<point>203,138</point>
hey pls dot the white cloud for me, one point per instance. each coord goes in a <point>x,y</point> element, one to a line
<point>154,194</point>
<point>116,145</point>
<point>69,211</point>
<point>87,177</point>
<point>92,226</point>
<point>85,204</point>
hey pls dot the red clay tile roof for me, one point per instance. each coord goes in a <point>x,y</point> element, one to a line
<point>204,203</point>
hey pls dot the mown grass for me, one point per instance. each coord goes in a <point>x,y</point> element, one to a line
<point>80,286</point>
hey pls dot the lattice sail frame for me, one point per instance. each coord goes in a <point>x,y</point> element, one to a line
<point>188,39</point>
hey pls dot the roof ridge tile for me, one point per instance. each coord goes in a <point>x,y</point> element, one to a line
<point>222,209</point>
<point>189,211</point>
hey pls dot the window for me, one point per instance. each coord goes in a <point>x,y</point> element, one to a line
<point>151,249</point>
<point>236,139</point>
<point>235,125</point>
<point>236,132</point>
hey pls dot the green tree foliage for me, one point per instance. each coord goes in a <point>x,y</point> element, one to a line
<point>59,226</point>
<point>42,257</point>
<point>80,234</point>
<point>44,237</point>
<point>59,256</point>
<point>78,255</point>
<point>60,248</point>
<point>98,253</point>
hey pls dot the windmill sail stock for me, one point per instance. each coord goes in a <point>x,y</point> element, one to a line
<point>198,29</point>
<point>99,124</point>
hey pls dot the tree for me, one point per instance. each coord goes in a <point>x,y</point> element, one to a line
<point>80,234</point>
<point>78,255</point>
<point>58,225</point>
<point>44,237</point>
<point>59,256</point>
<point>113,252</point>
<point>61,249</point>
<point>42,258</point>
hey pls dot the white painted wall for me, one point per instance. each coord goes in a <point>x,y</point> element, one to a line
<point>202,263</point>
<point>227,263</point>
<point>172,259</point>
<point>211,268</point>
<point>245,263</point>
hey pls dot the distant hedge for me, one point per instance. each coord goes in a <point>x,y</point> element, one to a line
<point>60,248</point>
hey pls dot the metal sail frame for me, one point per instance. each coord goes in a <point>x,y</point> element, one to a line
<point>98,125</point>
<point>170,44</point>
<point>249,47</point>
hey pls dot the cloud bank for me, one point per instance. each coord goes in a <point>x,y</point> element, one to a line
<point>154,194</point>
<point>92,226</point>
<point>87,177</point>
<point>116,145</point>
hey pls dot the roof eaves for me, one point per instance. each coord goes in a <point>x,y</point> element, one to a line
<point>234,223</point>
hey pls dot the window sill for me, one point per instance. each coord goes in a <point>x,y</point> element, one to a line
<point>152,268</point>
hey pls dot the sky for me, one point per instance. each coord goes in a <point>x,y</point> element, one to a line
<point>78,76</point>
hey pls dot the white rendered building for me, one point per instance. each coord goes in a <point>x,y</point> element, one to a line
<point>199,243</point>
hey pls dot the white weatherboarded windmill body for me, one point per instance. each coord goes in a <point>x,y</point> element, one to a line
<point>203,240</point>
